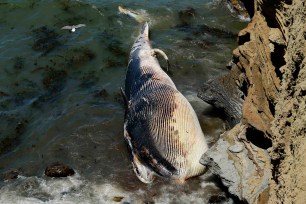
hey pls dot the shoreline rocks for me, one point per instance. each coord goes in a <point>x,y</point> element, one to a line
<point>262,158</point>
<point>244,171</point>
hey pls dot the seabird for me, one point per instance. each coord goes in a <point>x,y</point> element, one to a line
<point>73,27</point>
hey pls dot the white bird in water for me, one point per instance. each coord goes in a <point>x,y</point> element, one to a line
<point>73,27</point>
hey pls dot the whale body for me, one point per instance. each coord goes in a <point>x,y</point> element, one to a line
<point>161,128</point>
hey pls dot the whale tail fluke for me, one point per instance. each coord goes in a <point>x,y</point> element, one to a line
<point>140,17</point>
<point>163,54</point>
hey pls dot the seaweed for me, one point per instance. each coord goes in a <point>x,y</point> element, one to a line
<point>79,56</point>
<point>46,39</point>
<point>54,80</point>
<point>18,62</point>
<point>198,30</point>
<point>186,15</point>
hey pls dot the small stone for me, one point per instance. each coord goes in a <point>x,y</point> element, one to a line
<point>276,36</point>
<point>236,148</point>
<point>13,174</point>
<point>58,170</point>
<point>117,199</point>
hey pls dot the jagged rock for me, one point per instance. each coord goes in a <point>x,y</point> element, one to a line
<point>223,93</point>
<point>253,58</point>
<point>288,128</point>
<point>271,59</point>
<point>237,6</point>
<point>58,170</point>
<point>246,172</point>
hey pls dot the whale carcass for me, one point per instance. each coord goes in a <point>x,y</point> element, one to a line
<point>161,128</point>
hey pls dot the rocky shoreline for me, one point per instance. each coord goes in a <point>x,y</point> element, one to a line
<point>261,159</point>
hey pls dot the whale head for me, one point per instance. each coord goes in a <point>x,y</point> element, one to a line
<point>142,46</point>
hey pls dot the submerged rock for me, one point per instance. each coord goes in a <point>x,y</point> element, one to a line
<point>46,39</point>
<point>59,170</point>
<point>54,80</point>
<point>186,15</point>
<point>14,129</point>
<point>101,93</point>
<point>18,62</point>
<point>11,175</point>
<point>198,30</point>
<point>238,7</point>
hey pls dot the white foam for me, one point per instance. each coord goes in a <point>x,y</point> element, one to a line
<point>205,184</point>
<point>75,189</point>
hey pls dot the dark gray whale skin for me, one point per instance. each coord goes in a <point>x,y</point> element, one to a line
<point>161,129</point>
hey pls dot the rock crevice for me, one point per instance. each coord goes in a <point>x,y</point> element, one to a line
<point>262,158</point>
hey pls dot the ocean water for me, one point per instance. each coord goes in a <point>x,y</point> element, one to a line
<point>60,101</point>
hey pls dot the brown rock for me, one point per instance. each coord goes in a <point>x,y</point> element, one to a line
<point>58,170</point>
<point>237,6</point>
<point>271,57</point>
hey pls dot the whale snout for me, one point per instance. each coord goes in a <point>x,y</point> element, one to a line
<point>145,30</point>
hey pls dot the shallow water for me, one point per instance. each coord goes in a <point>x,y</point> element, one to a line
<point>60,101</point>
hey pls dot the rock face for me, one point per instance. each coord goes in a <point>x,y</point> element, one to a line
<point>263,158</point>
<point>289,126</point>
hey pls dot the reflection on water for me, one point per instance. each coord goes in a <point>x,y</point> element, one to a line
<point>60,102</point>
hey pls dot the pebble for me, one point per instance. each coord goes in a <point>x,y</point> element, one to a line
<point>236,148</point>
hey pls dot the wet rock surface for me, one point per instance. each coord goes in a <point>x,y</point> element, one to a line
<point>59,170</point>
<point>11,175</point>
<point>240,8</point>
<point>238,163</point>
<point>224,93</point>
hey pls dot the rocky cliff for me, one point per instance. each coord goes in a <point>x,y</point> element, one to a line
<point>262,158</point>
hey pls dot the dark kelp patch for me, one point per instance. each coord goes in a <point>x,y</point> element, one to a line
<point>198,30</point>
<point>18,63</point>
<point>186,15</point>
<point>46,39</point>
<point>11,129</point>
<point>55,80</point>
<point>79,56</point>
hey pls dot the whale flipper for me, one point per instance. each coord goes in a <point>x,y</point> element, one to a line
<point>163,54</point>
<point>143,173</point>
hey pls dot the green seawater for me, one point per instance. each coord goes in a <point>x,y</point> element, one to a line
<point>60,99</point>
